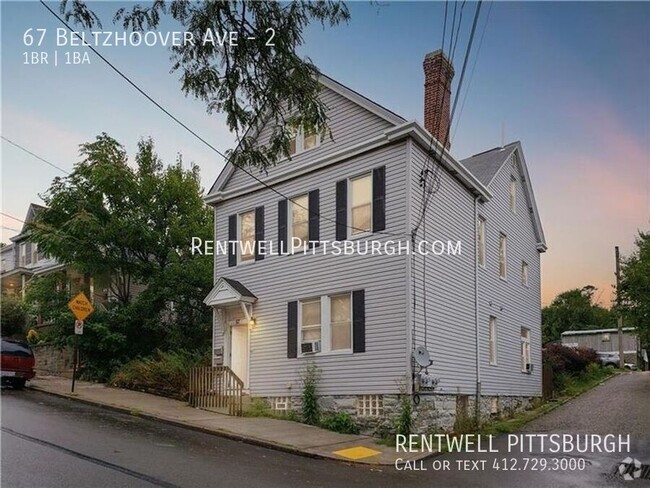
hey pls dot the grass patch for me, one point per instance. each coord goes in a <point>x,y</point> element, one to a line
<point>572,386</point>
<point>259,408</point>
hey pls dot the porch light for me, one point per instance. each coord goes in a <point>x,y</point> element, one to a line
<point>251,322</point>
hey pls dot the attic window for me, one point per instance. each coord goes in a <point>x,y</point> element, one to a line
<point>302,141</point>
<point>513,194</point>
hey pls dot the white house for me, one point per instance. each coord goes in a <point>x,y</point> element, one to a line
<point>369,320</point>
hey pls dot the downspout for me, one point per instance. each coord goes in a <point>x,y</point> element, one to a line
<point>477,412</point>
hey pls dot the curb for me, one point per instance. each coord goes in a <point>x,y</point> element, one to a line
<point>218,433</point>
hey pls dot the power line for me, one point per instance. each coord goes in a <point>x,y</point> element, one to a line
<point>471,75</point>
<point>34,155</point>
<point>9,228</point>
<point>175,119</point>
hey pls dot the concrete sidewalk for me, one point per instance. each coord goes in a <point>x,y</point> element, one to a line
<point>283,435</point>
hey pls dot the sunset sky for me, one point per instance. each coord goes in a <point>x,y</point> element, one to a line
<point>570,80</point>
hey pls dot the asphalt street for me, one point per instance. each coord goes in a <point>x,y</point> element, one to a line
<point>53,442</point>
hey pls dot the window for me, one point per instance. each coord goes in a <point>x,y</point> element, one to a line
<point>370,405</point>
<point>311,321</point>
<point>341,322</point>
<point>513,195</point>
<point>299,221</point>
<point>361,204</point>
<point>325,324</point>
<point>34,252</point>
<point>247,236</point>
<point>23,254</point>
<point>524,273</point>
<point>281,404</point>
<point>492,340</point>
<point>481,241</point>
<point>503,265</point>
<point>302,140</point>
<point>525,349</point>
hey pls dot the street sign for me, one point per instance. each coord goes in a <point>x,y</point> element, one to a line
<point>80,306</point>
<point>79,327</point>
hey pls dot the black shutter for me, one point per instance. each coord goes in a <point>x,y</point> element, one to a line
<point>379,199</point>
<point>358,321</point>
<point>259,232</point>
<point>314,217</point>
<point>282,226</point>
<point>232,236</point>
<point>342,210</point>
<point>292,330</point>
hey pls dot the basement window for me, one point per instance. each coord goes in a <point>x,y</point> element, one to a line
<point>281,404</point>
<point>370,405</point>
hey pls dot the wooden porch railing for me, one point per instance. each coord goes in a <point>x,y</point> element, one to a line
<point>216,387</point>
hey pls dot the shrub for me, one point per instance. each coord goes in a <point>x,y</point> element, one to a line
<point>404,423</point>
<point>32,336</point>
<point>341,422</point>
<point>310,407</point>
<point>13,317</point>
<point>163,373</point>
<point>567,359</point>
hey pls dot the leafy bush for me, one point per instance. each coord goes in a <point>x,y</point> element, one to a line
<point>163,373</point>
<point>568,359</point>
<point>13,317</point>
<point>404,423</point>
<point>310,407</point>
<point>341,422</point>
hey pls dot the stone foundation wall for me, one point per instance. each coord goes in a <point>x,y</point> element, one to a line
<point>53,360</point>
<point>434,413</point>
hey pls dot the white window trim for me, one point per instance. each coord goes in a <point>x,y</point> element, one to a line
<point>22,254</point>
<point>512,195</point>
<point>525,349</point>
<point>290,223</point>
<point>239,245</point>
<point>367,233</point>
<point>481,242</point>
<point>325,326</point>
<point>34,253</point>
<point>300,143</point>
<point>504,238</point>
<point>493,341</point>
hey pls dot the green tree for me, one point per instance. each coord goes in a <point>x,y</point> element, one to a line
<point>635,287</point>
<point>574,310</point>
<point>13,316</point>
<point>261,74</point>
<point>133,227</point>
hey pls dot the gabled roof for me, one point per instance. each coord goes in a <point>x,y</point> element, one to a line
<point>341,90</point>
<point>32,210</point>
<point>487,164</point>
<point>227,292</point>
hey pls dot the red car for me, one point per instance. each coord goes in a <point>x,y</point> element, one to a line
<point>16,363</point>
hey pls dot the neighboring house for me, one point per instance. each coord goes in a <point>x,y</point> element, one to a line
<point>22,260</point>
<point>361,318</point>
<point>606,340</point>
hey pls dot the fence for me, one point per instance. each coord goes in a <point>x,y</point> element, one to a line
<point>216,387</point>
<point>548,391</point>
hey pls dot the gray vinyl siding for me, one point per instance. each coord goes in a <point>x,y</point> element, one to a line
<point>513,304</point>
<point>449,283</point>
<point>277,280</point>
<point>349,123</point>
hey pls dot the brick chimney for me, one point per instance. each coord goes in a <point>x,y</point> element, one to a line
<point>438,73</point>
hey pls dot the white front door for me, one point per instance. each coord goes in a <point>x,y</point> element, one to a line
<point>239,352</point>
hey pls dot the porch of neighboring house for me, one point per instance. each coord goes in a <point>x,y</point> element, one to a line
<point>223,385</point>
<point>13,282</point>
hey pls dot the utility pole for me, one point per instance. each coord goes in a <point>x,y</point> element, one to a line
<point>621,357</point>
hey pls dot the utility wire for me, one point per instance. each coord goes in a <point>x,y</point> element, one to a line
<point>175,119</point>
<point>471,75</point>
<point>34,155</point>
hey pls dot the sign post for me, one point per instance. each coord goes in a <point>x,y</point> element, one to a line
<point>81,308</point>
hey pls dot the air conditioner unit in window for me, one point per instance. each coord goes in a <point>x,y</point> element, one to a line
<point>529,368</point>
<point>310,347</point>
